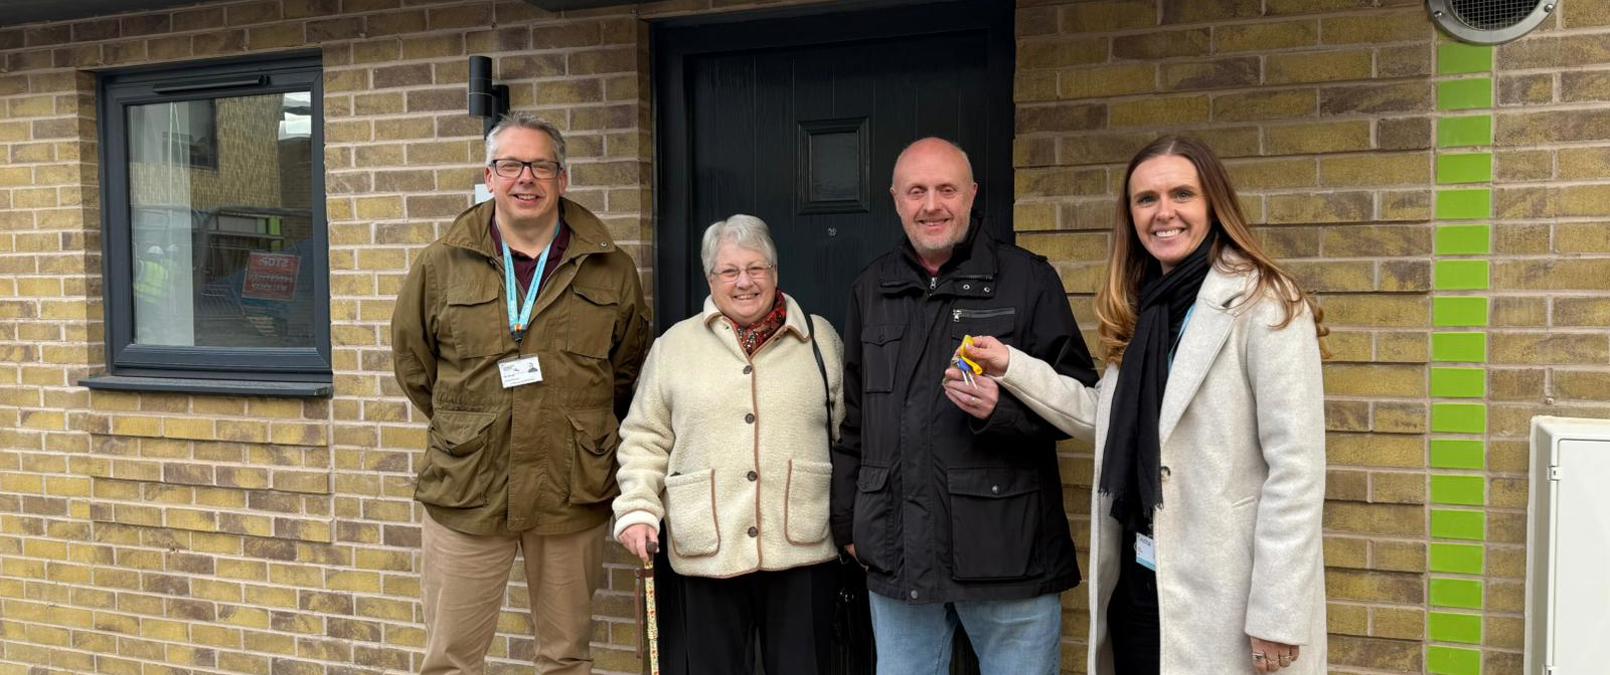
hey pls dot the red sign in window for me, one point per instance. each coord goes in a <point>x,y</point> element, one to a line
<point>271,276</point>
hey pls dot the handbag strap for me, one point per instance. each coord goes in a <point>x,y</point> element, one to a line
<point>821,365</point>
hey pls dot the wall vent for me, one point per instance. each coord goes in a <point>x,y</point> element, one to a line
<point>1489,22</point>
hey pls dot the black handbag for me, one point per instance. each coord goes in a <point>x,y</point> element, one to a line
<point>853,651</point>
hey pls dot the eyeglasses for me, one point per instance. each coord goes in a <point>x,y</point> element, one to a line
<point>512,168</point>
<point>756,271</point>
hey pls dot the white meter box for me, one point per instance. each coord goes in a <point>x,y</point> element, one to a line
<point>1568,548</point>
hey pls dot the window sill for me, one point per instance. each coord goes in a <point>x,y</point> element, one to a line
<point>206,386</point>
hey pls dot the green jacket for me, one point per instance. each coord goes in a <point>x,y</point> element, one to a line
<point>539,457</point>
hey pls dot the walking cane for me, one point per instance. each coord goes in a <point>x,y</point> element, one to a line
<point>651,624</point>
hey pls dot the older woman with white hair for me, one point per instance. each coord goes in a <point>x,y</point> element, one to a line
<point>727,443</point>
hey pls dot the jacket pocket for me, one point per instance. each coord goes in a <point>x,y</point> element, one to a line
<point>473,319</point>
<point>876,538</point>
<point>995,523</point>
<point>806,501</point>
<point>997,322</point>
<point>454,474</point>
<point>690,508</point>
<point>592,467</point>
<point>592,321</point>
<point>880,354</point>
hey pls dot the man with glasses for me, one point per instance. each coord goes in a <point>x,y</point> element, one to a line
<point>519,334</point>
<point>944,488</point>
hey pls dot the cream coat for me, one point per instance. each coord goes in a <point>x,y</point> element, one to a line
<point>688,448</point>
<point>1242,431</point>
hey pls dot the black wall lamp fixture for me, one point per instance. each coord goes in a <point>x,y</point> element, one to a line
<point>487,100</point>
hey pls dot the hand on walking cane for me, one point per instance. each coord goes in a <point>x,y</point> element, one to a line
<point>648,621</point>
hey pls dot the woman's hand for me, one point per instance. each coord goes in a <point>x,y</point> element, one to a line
<point>1268,657</point>
<point>989,353</point>
<point>642,541</point>
<point>976,398</point>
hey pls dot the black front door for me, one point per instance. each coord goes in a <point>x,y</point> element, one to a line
<point>798,120</point>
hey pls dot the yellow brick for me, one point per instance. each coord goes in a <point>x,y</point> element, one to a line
<point>1264,105</point>
<point>188,427</point>
<point>1398,623</point>
<point>379,208</point>
<point>1376,169</point>
<point>1319,137</point>
<point>1375,450</point>
<point>136,426</point>
<point>1376,28</point>
<point>271,596</point>
<point>186,519</point>
<point>1155,112</point>
<point>1100,81</point>
<point>1265,36</point>
<point>1379,380</point>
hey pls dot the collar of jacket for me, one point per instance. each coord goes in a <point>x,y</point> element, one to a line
<point>795,321</point>
<point>969,272</point>
<point>1225,285</point>
<point>472,230</point>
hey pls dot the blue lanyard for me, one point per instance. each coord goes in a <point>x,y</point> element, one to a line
<point>521,318</point>
<point>1175,347</point>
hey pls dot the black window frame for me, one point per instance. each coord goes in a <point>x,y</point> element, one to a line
<point>273,371</point>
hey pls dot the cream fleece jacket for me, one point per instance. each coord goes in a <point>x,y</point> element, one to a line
<point>732,451</point>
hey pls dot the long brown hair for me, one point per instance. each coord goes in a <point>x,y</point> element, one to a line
<point>1116,303</point>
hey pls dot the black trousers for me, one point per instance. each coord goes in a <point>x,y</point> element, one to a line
<point>1132,615</point>
<point>786,616</point>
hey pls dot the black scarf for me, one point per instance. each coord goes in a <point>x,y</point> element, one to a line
<point>1131,459</point>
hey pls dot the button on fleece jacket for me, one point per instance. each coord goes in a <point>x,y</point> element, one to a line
<point>739,494</point>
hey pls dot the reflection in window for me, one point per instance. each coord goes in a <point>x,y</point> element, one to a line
<point>218,248</point>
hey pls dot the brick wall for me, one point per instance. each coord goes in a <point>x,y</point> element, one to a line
<point>1363,145</point>
<point>155,533</point>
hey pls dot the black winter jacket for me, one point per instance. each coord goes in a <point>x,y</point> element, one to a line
<point>941,506</point>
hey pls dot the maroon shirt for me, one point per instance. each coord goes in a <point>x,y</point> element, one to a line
<point>525,266</point>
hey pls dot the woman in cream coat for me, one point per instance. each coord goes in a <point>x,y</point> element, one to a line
<point>1216,352</point>
<point>727,442</point>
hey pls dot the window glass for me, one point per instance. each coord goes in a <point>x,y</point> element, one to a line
<point>222,221</point>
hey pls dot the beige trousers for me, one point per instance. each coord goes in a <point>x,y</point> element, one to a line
<point>464,581</point>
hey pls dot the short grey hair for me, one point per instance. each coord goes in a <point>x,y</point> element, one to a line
<point>525,120</point>
<point>744,230</point>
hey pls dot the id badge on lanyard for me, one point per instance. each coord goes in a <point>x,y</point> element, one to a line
<point>517,371</point>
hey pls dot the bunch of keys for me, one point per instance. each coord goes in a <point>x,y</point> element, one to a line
<point>970,370</point>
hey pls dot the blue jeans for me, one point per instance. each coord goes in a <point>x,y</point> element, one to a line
<point>1012,637</point>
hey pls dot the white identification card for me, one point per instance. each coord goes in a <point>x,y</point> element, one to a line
<point>1146,551</point>
<point>517,372</point>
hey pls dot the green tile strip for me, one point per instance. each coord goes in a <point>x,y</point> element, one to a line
<point>1465,204</point>
<point>1459,347</point>
<point>1450,453</point>
<point>1475,167</point>
<point>1464,240</point>
<point>1458,382</point>
<point>1457,593</point>
<point>1459,490</point>
<point>1472,94</point>
<point>1465,132</point>
<point>1459,311</point>
<point>1458,418</point>
<point>1462,275</point>
<point>1450,627</point>
<point>1458,558</point>
<point>1452,661</point>
<point>1466,525</point>
<point>1456,58</point>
